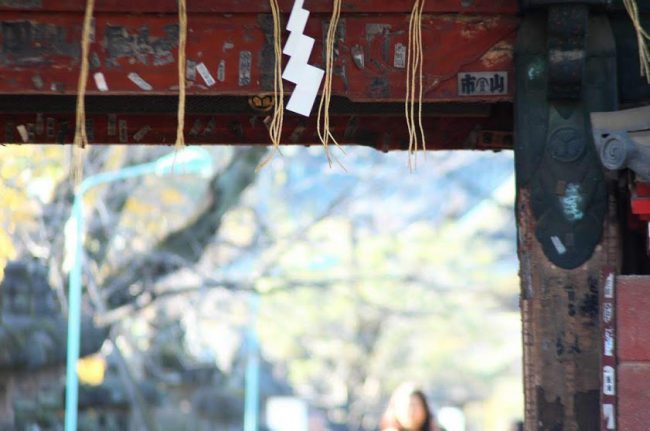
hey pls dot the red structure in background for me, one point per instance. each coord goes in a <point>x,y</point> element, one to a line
<point>633,352</point>
<point>468,43</point>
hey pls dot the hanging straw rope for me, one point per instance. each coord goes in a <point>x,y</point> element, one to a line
<point>182,43</point>
<point>414,84</point>
<point>324,132</point>
<point>80,136</point>
<point>277,121</point>
<point>642,37</point>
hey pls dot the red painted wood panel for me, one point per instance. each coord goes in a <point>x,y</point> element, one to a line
<point>633,320</point>
<point>254,6</point>
<point>634,397</point>
<point>382,132</point>
<point>40,53</point>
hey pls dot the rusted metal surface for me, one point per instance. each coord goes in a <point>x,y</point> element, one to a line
<point>39,54</point>
<point>252,6</point>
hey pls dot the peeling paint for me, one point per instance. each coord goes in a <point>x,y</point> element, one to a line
<point>245,66</point>
<point>140,47</point>
<point>30,43</point>
<point>22,4</point>
<point>499,54</point>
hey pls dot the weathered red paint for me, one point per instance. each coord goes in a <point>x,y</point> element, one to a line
<point>633,318</point>
<point>255,6</point>
<point>633,352</point>
<point>634,397</point>
<point>40,53</point>
<point>640,201</point>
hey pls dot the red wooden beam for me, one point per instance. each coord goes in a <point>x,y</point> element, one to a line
<point>39,53</point>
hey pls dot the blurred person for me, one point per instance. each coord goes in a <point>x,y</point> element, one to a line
<point>408,410</point>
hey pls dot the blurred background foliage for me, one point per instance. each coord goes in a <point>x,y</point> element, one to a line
<point>367,277</point>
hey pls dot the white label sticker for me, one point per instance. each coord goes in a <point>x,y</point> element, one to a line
<point>100,81</point>
<point>482,83</point>
<point>205,74</point>
<point>137,80</point>
<point>609,287</point>
<point>221,71</point>
<point>608,413</point>
<point>400,56</point>
<point>22,131</point>
<point>609,342</point>
<point>608,312</point>
<point>557,243</point>
<point>609,381</point>
<point>140,134</point>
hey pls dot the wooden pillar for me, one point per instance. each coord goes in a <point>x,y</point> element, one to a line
<point>561,332</point>
<point>566,211</point>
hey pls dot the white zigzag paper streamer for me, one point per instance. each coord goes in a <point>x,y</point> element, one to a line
<point>307,78</point>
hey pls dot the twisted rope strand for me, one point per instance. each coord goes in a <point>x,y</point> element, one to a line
<point>415,84</point>
<point>324,133</point>
<point>182,65</point>
<point>277,120</point>
<point>80,135</point>
<point>642,36</point>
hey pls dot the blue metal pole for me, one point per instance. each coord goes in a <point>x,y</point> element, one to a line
<point>74,320</point>
<point>252,400</point>
<point>198,159</point>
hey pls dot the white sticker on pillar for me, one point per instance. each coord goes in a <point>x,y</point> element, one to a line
<point>559,246</point>
<point>609,287</point>
<point>307,78</point>
<point>609,380</point>
<point>609,342</point>
<point>608,413</point>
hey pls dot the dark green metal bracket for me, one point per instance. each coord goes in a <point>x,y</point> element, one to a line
<point>565,68</point>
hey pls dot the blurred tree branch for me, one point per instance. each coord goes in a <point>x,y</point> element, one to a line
<point>190,241</point>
